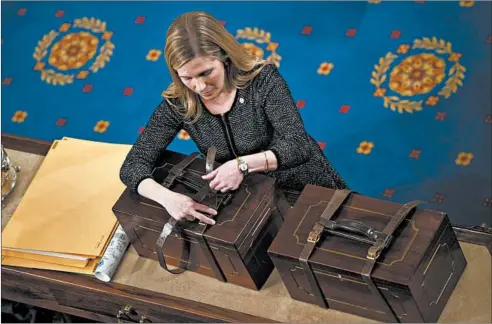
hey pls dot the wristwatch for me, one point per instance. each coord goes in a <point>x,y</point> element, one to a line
<point>243,166</point>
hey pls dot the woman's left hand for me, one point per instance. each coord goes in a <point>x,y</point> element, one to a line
<point>226,177</point>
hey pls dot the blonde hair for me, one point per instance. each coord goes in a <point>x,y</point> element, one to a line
<point>196,34</point>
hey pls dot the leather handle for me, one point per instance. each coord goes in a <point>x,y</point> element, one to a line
<point>178,169</point>
<point>364,233</point>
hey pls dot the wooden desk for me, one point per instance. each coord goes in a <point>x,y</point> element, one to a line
<point>163,297</point>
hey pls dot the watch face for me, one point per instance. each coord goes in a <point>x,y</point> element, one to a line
<point>243,167</point>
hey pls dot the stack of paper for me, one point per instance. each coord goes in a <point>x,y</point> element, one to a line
<point>65,220</point>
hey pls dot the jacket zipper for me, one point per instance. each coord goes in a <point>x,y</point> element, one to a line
<point>229,140</point>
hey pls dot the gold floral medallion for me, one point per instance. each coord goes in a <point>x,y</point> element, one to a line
<point>70,54</point>
<point>73,51</point>
<point>432,71</point>
<point>261,46</point>
<point>417,74</point>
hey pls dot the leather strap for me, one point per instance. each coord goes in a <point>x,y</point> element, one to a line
<point>333,206</point>
<point>390,228</point>
<point>212,261</point>
<point>375,252</point>
<point>166,231</point>
<point>199,196</point>
<point>202,193</point>
<point>366,275</point>
<point>209,167</point>
<point>168,228</point>
<point>178,169</point>
<point>209,161</point>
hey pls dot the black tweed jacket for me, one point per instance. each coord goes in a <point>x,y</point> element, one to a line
<point>263,117</point>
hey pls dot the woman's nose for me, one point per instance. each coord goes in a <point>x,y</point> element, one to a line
<point>199,85</point>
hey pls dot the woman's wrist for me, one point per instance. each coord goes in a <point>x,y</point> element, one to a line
<point>260,162</point>
<point>165,196</point>
<point>150,189</point>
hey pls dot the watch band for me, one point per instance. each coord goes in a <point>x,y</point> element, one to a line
<point>240,162</point>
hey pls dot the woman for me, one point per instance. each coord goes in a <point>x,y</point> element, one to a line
<point>224,97</point>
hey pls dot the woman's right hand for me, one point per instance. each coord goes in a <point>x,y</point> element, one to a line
<point>179,206</point>
<point>182,207</point>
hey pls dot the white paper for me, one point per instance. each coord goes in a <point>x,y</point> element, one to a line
<point>113,255</point>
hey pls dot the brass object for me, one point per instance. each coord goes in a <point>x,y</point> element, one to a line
<point>374,252</point>
<point>9,175</point>
<point>128,314</point>
<point>315,234</point>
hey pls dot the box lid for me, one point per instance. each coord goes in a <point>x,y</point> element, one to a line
<point>236,223</point>
<point>397,263</point>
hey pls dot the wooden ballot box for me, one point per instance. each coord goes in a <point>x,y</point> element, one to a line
<point>234,250</point>
<point>377,259</point>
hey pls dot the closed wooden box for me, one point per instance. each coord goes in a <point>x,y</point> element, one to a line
<point>233,250</point>
<point>355,267</point>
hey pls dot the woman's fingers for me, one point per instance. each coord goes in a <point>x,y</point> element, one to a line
<point>205,209</point>
<point>189,218</point>
<point>211,175</point>
<point>202,218</point>
<point>214,183</point>
<point>220,186</point>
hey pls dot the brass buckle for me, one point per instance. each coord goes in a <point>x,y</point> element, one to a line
<point>374,252</point>
<point>315,234</point>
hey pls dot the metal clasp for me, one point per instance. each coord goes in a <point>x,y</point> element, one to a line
<point>374,252</point>
<point>227,199</point>
<point>315,233</point>
<point>126,313</point>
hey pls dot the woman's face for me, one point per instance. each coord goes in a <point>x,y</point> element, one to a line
<point>204,76</point>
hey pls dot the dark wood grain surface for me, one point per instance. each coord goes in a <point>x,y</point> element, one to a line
<point>25,144</point>
<point>80,295</point>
